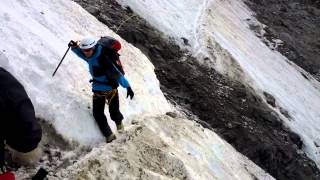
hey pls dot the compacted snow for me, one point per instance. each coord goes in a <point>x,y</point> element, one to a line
<point>36,35</point>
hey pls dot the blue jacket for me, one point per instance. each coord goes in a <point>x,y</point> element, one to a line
<point>96,71</point>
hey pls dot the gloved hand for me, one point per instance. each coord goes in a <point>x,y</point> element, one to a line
<point>73,44</point>
<point>130,93</point>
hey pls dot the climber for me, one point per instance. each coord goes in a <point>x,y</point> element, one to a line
<point>107,73</point>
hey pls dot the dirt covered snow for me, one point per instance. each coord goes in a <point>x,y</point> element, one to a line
<point>164,148</point>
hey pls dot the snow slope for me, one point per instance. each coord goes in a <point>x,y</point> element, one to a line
<point>36,37</point>
<point>219,29</point>
<point>36,33</point>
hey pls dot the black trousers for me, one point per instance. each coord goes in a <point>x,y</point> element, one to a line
<point>99,102</point>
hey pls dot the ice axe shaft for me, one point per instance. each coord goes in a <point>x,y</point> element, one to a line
<point>60,62</point>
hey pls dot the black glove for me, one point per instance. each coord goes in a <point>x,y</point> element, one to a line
<point>73,44</point>
<point>130,93</point>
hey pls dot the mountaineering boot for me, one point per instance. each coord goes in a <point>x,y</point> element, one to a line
<point>120,126</point>
<point>110,138</point>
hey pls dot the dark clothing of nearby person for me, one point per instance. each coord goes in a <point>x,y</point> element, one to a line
<point>19,126</point>
<point>1,153</point>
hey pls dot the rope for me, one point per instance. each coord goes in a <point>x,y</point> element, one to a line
<point>124,21</point>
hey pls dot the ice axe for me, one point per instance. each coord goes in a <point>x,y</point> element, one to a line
<point>61,61</point>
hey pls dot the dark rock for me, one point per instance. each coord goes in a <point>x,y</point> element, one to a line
<point>185,41</point>
<point>93,10</point>
<point>128,10</point>
<point>304,75</point>
<point>296,140</point>
<point>286,37</point>
<point>285,113</point>
<point>172,114</point>
<point>270,99</point>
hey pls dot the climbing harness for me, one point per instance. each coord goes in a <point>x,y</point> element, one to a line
<point>109,95</point>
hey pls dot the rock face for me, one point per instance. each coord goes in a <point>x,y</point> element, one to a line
<point>229,108</point>
<point>297,24</point>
